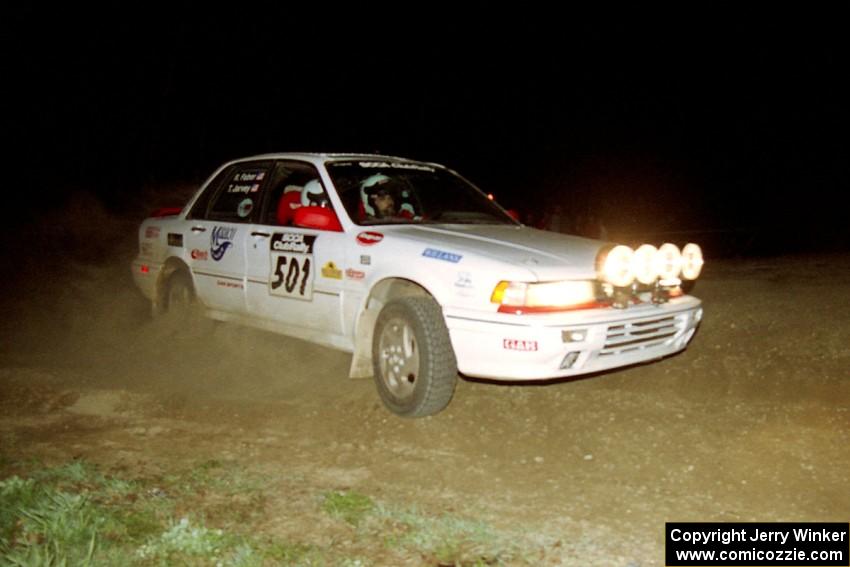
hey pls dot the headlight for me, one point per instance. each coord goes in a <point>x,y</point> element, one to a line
<point>514,297</point>
<point>616,267</point>
<point>643,264</point>
<point>668,262</point>
<point>691,261</point>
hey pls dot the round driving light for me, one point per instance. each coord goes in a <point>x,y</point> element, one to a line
<point>691,261</point>
<point>668,261</point>
<point>617,269</point>
<point>643,263</point>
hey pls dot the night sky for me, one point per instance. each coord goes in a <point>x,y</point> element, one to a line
<point>732,124</point>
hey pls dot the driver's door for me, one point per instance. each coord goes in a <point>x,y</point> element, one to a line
<point>294,274</point>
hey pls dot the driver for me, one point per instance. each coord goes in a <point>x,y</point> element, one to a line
<point>379,196</point>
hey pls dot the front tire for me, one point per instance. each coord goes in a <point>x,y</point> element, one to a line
<point>414,364</point>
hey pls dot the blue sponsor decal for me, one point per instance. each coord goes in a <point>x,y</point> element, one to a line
<point>221,239</point>
<point>442,255</point>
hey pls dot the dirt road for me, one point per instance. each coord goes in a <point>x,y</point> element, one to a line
<point>751,423</point>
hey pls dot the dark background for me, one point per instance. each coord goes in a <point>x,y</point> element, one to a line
<point>727,128</point>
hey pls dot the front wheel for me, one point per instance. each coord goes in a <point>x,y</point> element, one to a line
<point>414,364</point>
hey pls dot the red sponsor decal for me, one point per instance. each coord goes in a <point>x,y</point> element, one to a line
<point>369,238</point>
<point>518,344</point>
<point>200,254</point>
<point>354,274</point>
<point>152,232</point>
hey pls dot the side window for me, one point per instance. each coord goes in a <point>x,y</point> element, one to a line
<point>292,183</point>
<point>237,197</point>
<point>199,209</point>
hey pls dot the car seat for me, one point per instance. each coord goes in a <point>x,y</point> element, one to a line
<point>286,205</point>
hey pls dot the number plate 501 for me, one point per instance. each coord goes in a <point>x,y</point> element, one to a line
<point>291,275</point>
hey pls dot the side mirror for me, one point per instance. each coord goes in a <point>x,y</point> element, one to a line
<point>319,218</point>
<point>513,214</point>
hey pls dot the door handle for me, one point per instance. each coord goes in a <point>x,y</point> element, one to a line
<point>198,229</point>
<point>258,233</point>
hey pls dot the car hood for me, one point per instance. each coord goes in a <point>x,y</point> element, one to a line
<point>549,255</point>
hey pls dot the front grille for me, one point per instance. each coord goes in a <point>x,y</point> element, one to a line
<point>641,334</point>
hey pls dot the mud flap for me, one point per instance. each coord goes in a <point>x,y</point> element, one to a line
<point>361,360</point>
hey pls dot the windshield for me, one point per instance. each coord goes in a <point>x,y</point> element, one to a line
<point>390,192</point>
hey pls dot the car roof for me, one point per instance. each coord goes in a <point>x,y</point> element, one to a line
<point>317,158</point>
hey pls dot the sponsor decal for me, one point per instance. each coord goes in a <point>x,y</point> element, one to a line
<point>235,285</point>
<point>152,232</point>
<point>293,242</point>
<point>464,280</point>
<point>442,255</point>
<point>175,239</point>
<point>353,274</point>
<point>365,259</point>
<point>395,165</point>
<point>221,239</point>
<point>518,344</point>
<point>199,254</point>
<point>369,237</point>
<point>245,207</point>
<point>330,270</point>
<point>463,285</point>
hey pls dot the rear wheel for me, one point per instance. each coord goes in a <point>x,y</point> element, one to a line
<point>178,301</point>
<point>414,364</point>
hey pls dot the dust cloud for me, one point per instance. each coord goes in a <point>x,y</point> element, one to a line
<point>72,307</point>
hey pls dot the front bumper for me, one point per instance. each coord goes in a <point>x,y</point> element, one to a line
<point>536,347</point>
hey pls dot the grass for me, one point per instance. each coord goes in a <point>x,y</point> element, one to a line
<point>448,539</point>
<point>75,515</point>
<point>440,540</point>
<point>216,513</point>
<point>44,526</point>
<point>349,506</point>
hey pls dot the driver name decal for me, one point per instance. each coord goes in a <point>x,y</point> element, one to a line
<point>291,265</point>
<point>221,239</point>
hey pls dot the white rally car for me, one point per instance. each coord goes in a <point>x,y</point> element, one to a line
<point>415,271</point>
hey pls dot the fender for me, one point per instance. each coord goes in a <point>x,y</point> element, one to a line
<point>381,292</point>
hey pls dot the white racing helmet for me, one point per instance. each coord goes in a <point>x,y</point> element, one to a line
<point>314,195</point>
<point>370,186</point>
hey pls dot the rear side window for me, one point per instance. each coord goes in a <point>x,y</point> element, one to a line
<point>235,194</point>
<point>199,209</point>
